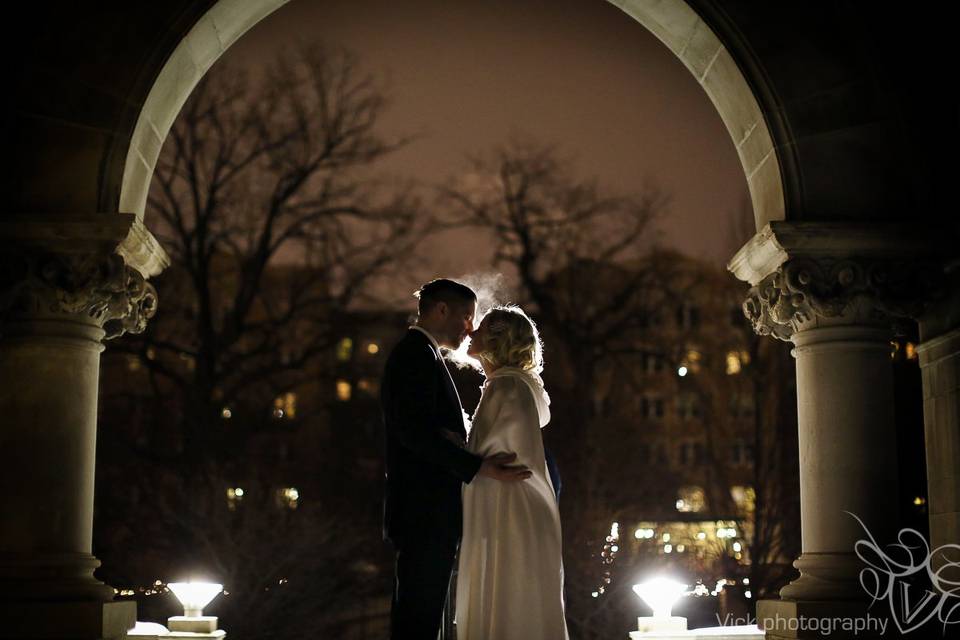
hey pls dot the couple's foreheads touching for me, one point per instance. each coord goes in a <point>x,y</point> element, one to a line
<point>505,336</point>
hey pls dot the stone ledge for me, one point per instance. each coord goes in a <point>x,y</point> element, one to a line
<point>780,241</point>
<point>120,233</point>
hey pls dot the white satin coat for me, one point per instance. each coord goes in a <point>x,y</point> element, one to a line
<point>510,577</point>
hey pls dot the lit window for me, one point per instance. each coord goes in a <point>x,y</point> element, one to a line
<point>133,363</point>
<point>910,351</point>
<point>344,349</point>
<point>288,497</point>
<point>690,499</point>
<point>733,363</point>
<point>744,497</point>
<point>234,497</point>
<point>692,360</point>
<point>368,386</point>
<point>285,406</point>
<point>151,353</point>
<point>344,390</point>
<point>373,348</point>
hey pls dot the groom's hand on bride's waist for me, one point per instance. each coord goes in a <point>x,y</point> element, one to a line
<point>499,468</point>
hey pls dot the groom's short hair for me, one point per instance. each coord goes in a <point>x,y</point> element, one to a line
<point>443,290</point>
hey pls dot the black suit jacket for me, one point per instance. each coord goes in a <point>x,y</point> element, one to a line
<point>425,470</point>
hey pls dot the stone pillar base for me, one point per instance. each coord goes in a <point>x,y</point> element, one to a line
<point>67,620</point>
<point>798,619</point>
<point>825,576</point>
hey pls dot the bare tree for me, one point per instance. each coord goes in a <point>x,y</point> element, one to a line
<point>275,222</point>
<point>267,199</point>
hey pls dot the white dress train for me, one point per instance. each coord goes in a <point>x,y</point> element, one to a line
<point>510,576</point>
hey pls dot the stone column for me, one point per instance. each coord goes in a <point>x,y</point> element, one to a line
<point>834,290</point>
<point>58,302</point>
<point>939,351</point>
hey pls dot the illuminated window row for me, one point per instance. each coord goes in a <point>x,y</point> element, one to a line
<point>285,406</point>
<point>287,497</point>
<point>368,386</point>
<point>702,537</point>
<point>344,350</point>
<point>692,361</point>
<point>692,499</point>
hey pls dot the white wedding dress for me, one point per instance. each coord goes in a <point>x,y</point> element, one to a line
<point>510,576</point>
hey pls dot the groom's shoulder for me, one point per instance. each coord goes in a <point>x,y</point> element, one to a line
<point>412,344</point>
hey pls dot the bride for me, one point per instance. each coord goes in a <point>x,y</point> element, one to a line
<point>510,576</point>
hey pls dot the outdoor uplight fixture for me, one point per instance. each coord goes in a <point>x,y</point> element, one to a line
<point>660,594</point>
<point>194,596</point>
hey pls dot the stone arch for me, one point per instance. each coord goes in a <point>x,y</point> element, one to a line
<point>674,22</point>
<point>841,122</point>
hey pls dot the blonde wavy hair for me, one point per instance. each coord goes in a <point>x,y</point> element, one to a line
<point>512,340</point>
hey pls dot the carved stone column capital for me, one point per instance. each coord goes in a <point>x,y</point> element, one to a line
<point>88,268</point>
<point>101,289</point>
<point>805,275</point>
<point>806,292</point>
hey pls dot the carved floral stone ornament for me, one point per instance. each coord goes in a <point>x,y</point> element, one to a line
<point>99,287</point>
<point>803,290</point>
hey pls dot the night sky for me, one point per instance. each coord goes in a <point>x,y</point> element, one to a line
<point>580,73</point>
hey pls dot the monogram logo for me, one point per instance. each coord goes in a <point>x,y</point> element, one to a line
<point>888,573</point>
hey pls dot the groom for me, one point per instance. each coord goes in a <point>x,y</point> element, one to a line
<point>425,468</point>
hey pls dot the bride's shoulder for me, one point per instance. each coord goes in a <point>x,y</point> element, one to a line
<point>502,386</point>
<point>500,383</point>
